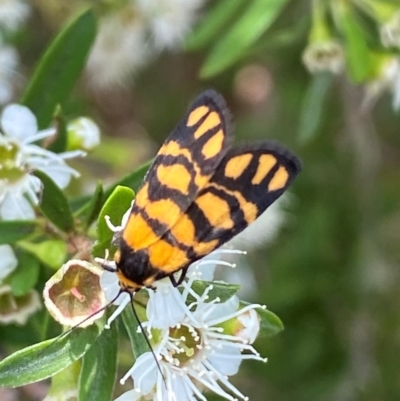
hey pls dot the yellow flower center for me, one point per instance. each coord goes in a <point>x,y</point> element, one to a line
<point>187,340</point>
<point>9,170</point>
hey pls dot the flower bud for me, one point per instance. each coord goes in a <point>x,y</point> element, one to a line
<point>83,133</point>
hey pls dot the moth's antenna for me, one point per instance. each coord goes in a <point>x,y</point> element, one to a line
<point>146,338</point>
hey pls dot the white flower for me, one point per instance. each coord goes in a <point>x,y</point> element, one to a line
<point>83,133</point>
<point>8,261</point>
<point>121,46</point>
<point>324,55</point>
<point>203,349</point>
<point>13,13</point>
<point>388,79</point>
<point>19,156</point>
<point>17,309</point>
<point>169,20</point>
<point>390,32</point>
<point>9,60</point>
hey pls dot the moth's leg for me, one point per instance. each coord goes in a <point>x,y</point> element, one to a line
<point>181,278</point>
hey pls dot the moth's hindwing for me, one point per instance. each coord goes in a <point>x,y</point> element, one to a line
<point>182,168</point>
<point>246,182</point>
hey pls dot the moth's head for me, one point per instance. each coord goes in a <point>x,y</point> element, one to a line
<point>126,283</point>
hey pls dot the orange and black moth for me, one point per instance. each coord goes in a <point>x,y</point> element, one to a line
<point>199,193</point>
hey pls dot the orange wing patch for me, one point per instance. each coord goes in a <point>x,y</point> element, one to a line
<point>279,180</point>
<point>265,164</point>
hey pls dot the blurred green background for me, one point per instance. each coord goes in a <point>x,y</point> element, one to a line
<point>332,272</point>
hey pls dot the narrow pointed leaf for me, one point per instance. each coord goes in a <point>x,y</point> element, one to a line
<point>60,142</point>
<point>313,106</point>
<point>223,291</point>
<point>249,27</point>
<point>139,344</point>
<point>12,231</point>
<point>358,61</point>
<point>270,324</point>
<point>211,25</point>
<point>54,204</point>
<point>25,277</point>
<point>45,359</point>
<point>94,206</point>
<point>99,368</point>
<point>60,67</point>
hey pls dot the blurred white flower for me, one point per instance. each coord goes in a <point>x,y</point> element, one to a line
<point>120,49</point>
<point>83,133</point>
<point>8,261</point>
<point>17,309</point>
<point>8,71</point>
<point>387,79</point>
<point>169,20</point>
<point>19,156</point>
<point>326,55</point>
<point>13,13</point>
<point>130,36</point>
<point>390,32</point>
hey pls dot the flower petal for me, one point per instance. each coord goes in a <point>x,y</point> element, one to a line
<point>226,360</point>
<point>8,261</point>
<point>164,309</point>
<point>18,122</point>
<point>131,395</point>
<point>16,207</point>
<point>109,284</point>
<point>144,373</point>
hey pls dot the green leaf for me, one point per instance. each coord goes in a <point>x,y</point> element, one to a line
<point>54,204</point>
<point>221,290</point>
<point>255,20</point>
<point>138,341</point>
<point>215,20</point>
<point>94,206</point>
<point>270,324</point>
<point>99,368</point>
<point>25,277</point>
<point>12,231</point>
<point>115,207</point>
<point>60,67</point>
<point>42,360</point>
<point>356,48</point>
<point>50,252</point>
<point>60,142</point>
<point>64,382</point>
<point>313,106</point>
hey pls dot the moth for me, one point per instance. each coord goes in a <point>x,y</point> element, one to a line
<point>199,193</point>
